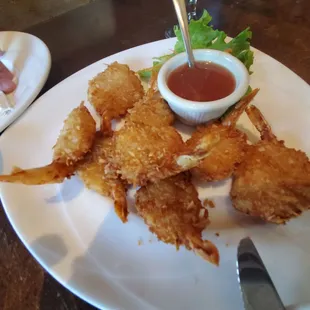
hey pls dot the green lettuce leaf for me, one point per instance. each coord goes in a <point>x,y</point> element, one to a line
<point>203,35</point>
<point>145,74</point>
<point>157,63</point>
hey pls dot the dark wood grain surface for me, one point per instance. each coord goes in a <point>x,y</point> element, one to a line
<point>281,28</point>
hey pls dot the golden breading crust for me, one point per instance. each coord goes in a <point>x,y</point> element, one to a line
<point>152,112</point>
<point>96,175</point>
<point>172,210</point>
<point>113,91</point>
<point>223,158</point>
<point>229,152</point>
<point>76,136</point>
<point>144,153</point>
<point>273,181</point>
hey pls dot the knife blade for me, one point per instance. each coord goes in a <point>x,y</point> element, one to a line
<point>258,290</point>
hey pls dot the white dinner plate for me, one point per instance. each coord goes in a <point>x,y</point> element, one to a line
<point>76,236</point>
<point>30,61</point>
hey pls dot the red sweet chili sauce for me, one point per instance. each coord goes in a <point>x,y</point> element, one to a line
<point>206,81</point>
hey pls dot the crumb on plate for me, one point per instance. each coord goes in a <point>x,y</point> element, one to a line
<point>208,203</point>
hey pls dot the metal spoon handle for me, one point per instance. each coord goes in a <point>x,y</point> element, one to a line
<point>180,9</point>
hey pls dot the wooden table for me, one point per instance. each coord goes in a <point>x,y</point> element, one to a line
<point>281,28</point>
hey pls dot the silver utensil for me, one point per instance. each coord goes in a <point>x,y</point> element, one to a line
<point>180,9</point>
<point>258,290</point>
<point>191,8</point>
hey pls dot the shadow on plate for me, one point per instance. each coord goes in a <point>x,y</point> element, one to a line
<point>299,307</point>
<point>50,248</point>
<point>225,217</point>
<point>68,190</point>
<point>128,271</point>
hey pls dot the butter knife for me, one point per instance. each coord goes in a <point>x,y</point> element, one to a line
<point>258,290</point>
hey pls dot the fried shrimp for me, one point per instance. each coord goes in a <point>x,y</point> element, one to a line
<point>145,152</point>
<point>96,175</point>
<point>273,181</point>
<point>147,148</point>
<point>229,152</point>
<point>152,112</point>
<point>114,91</point>
<point>224,158</point>
<point>76,137</point>
<point>149,153</point>
<point>172,210</point>
<point>75,140</point>
<point>153,86</point>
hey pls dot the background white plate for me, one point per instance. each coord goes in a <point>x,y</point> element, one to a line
<point>75,234</point>
<point>30,60</point>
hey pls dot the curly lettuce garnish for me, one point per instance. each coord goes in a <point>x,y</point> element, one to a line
<point>203,35</point>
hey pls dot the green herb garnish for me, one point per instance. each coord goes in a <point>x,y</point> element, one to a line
<point>203,35</point>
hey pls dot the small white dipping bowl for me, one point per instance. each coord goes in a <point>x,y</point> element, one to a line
<point>198,112</point>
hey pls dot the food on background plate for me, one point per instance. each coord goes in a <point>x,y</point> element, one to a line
<point>114,91</point>
<point>273,181</point>
<point>172,210</point>
<point>229,152</point>
<point>6,79</point>
<point>96,175</point>
<point>75,140</point>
